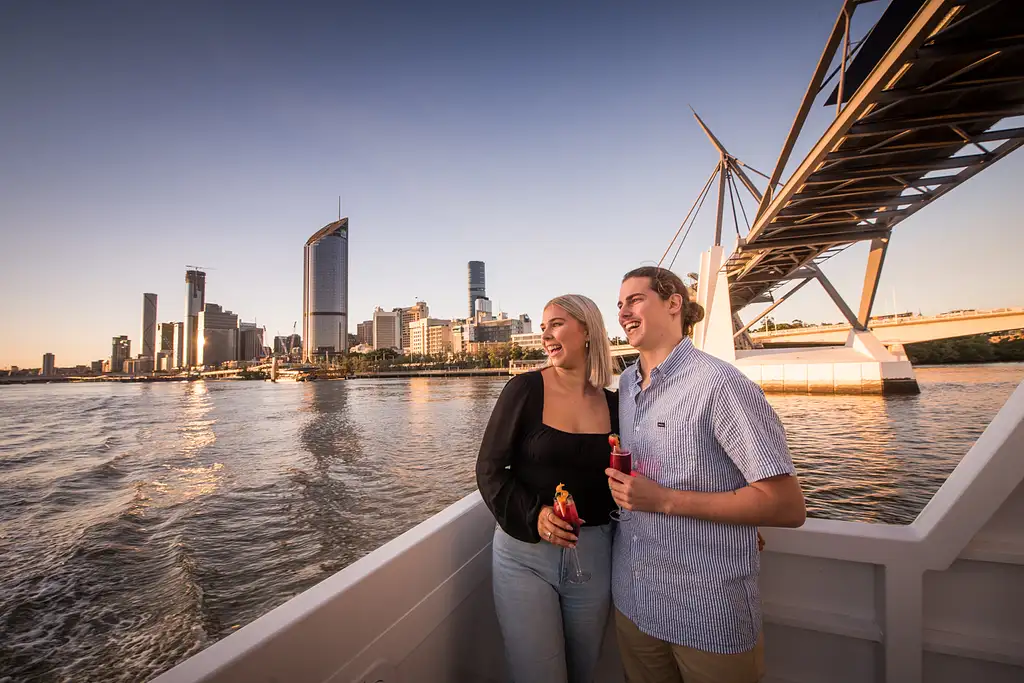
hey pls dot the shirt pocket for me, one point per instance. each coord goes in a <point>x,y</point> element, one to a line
<point>673,447</point>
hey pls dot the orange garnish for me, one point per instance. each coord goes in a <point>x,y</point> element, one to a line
<point>561,495</point>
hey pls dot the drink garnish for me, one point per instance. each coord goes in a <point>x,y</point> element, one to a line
<point>613,441</point>
<point>561,495</point>
<point>565,506</point>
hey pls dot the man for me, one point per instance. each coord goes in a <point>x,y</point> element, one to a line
<point>711,465</point>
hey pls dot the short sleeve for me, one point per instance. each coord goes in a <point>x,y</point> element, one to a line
<point>749,430</point>
<point>512,504</point>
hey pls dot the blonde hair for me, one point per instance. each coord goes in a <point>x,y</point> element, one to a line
<point>599,350</point>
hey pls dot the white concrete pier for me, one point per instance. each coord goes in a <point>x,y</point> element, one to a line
<point>857,368</point>
<point>862,366</point>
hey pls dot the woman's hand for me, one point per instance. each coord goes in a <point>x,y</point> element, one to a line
<point>554,529</point>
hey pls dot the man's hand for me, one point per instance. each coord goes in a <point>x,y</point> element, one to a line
<point>775,501</point>
<point>637,492</point>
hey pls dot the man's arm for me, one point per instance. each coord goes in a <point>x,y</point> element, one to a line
<point>752,436</point>
<point>776,501</point>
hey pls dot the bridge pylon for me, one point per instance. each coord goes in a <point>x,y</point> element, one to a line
<point>863,365</point>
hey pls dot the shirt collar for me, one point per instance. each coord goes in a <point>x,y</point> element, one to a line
<point>675,360</point>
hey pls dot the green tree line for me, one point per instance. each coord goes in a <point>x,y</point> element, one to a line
<point>981,348</point>
<point>382,360</point>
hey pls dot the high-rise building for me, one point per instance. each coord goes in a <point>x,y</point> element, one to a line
<point>195,303</point>
<point>484,309</point>
<point>147,343</point>
<point>97,367</point>
<point>477,285</point>
<point>364,333</point>
<point>47,370</point>
<point>325,291</point>
<point>179,346</point>
<point>250,341</point>
<point>387,328</point>
<point>120,351</point>
<point>218,336</point>
<point>164,338</point>
<point>412,314</point>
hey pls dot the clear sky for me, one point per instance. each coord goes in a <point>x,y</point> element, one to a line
<point>550,140</point>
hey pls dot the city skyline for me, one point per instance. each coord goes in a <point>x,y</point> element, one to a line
<point>561,167</point>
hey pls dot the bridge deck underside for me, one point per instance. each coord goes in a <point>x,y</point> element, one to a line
<point>931,114</point>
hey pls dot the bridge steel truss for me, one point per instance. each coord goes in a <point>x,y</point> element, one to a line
<point>920,108</point>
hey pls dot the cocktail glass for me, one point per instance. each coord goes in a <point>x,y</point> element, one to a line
<point>623,462</point>
<point>566,509</point>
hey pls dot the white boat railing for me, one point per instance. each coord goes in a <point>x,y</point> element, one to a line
<point>940,600</point>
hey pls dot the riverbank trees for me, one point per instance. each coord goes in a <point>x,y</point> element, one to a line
<point>981,348</point>
<point>387,359</point>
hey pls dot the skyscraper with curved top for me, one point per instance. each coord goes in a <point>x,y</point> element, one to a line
<point>325,292</point>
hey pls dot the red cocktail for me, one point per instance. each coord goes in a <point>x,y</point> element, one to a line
<point>565,507</point>
<point>621,460</point>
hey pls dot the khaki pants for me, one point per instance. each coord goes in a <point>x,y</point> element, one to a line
<point>647,659</point>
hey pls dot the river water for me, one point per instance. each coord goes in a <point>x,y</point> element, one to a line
<point>140,523</point>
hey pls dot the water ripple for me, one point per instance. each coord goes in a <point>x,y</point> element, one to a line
<point>124,550</point>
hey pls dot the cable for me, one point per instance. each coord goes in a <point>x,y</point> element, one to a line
<point>681,225</point>
<point>703,196</point>
<point>732,199</point>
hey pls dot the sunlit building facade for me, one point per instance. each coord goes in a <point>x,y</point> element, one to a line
<point>178,346</point>
<point>364,333</point>
<point>218,336</point>
<point>387,329</point>
<point>409,316</point>
<point>430,337</point>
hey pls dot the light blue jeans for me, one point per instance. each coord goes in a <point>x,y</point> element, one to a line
<point>553,630</point>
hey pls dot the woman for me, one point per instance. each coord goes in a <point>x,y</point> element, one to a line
<point>551,427</point>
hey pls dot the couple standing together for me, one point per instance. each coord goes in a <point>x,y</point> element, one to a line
<point>680,575</point>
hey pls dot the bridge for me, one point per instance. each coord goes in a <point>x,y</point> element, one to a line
<point>918,114</point>
<point>906,330</point>
<point>925,101</point>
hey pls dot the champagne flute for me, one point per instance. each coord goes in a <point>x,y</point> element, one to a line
<point>622,461</point>
<point>565,507</point>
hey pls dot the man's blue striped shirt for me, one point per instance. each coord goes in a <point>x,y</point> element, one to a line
<point>700,425</point>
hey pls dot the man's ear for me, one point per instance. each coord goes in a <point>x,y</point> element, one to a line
<point>675,303</point>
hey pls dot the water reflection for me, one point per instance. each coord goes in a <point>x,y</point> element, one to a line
<point>326,507</point>
<point>175,481</point>
<point>279,485</point>
<point>882,458</point>
<point>196,429</point>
